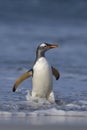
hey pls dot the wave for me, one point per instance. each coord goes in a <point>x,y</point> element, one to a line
<point>49,112</point>
<point>41,107</point>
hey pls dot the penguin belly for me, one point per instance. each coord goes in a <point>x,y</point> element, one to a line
<point>42,81</point>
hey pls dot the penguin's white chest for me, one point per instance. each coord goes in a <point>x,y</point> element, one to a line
<point>42,81</point>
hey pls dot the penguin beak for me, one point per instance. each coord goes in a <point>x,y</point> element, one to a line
<point>53,46</point>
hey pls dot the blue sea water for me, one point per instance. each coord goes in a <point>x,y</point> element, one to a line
<point>23,26</point>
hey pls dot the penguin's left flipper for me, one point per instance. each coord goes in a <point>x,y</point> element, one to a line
<point>22,78</point>
<point>55,73</point>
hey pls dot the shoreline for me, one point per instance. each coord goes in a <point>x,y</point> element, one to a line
<point>43,122</point>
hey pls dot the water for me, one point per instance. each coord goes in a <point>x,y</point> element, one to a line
<point>23,25</point>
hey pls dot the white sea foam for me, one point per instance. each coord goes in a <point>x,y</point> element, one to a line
<point>55,112</point>
<point>36,99</point>
<point>49,112</point>
<point>5,114</point>
<point>68,109</point>
<point>42,107</point>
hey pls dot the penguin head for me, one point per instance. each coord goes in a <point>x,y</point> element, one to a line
<point>43,47</point>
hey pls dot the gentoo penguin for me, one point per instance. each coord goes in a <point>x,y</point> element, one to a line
<point>42,80</point>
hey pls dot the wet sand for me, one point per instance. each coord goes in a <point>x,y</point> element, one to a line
<point>41,123</point>
<point>23,126</point>
<point>50,127</point>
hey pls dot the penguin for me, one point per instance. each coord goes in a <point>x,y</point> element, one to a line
<point>42,75</point>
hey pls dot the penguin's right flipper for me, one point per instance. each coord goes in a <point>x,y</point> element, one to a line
<point>55,73</point>
<point>22,78</point>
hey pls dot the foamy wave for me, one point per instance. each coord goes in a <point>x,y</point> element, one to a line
<point>36,99</point>
<point>41,107</point>
<point>5,114</point>
<point>49,112</point>
<point>55,112</point>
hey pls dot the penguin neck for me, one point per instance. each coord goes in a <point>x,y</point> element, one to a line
<point>39,54</point>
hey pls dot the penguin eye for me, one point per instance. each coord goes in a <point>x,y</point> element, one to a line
<point>45,46</point>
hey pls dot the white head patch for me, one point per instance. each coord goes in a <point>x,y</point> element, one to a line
<point>43,45</point>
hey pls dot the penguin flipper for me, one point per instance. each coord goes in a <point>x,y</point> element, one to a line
<point>22,78</point>
<point>55,73</point>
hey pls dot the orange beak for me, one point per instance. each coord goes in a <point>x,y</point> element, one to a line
<point>53,46</point>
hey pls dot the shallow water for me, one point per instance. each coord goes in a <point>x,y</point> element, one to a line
<point>19,38</point>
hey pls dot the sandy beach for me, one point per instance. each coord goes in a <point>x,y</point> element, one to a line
<point>50,127</point>
<point>41,123</point>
